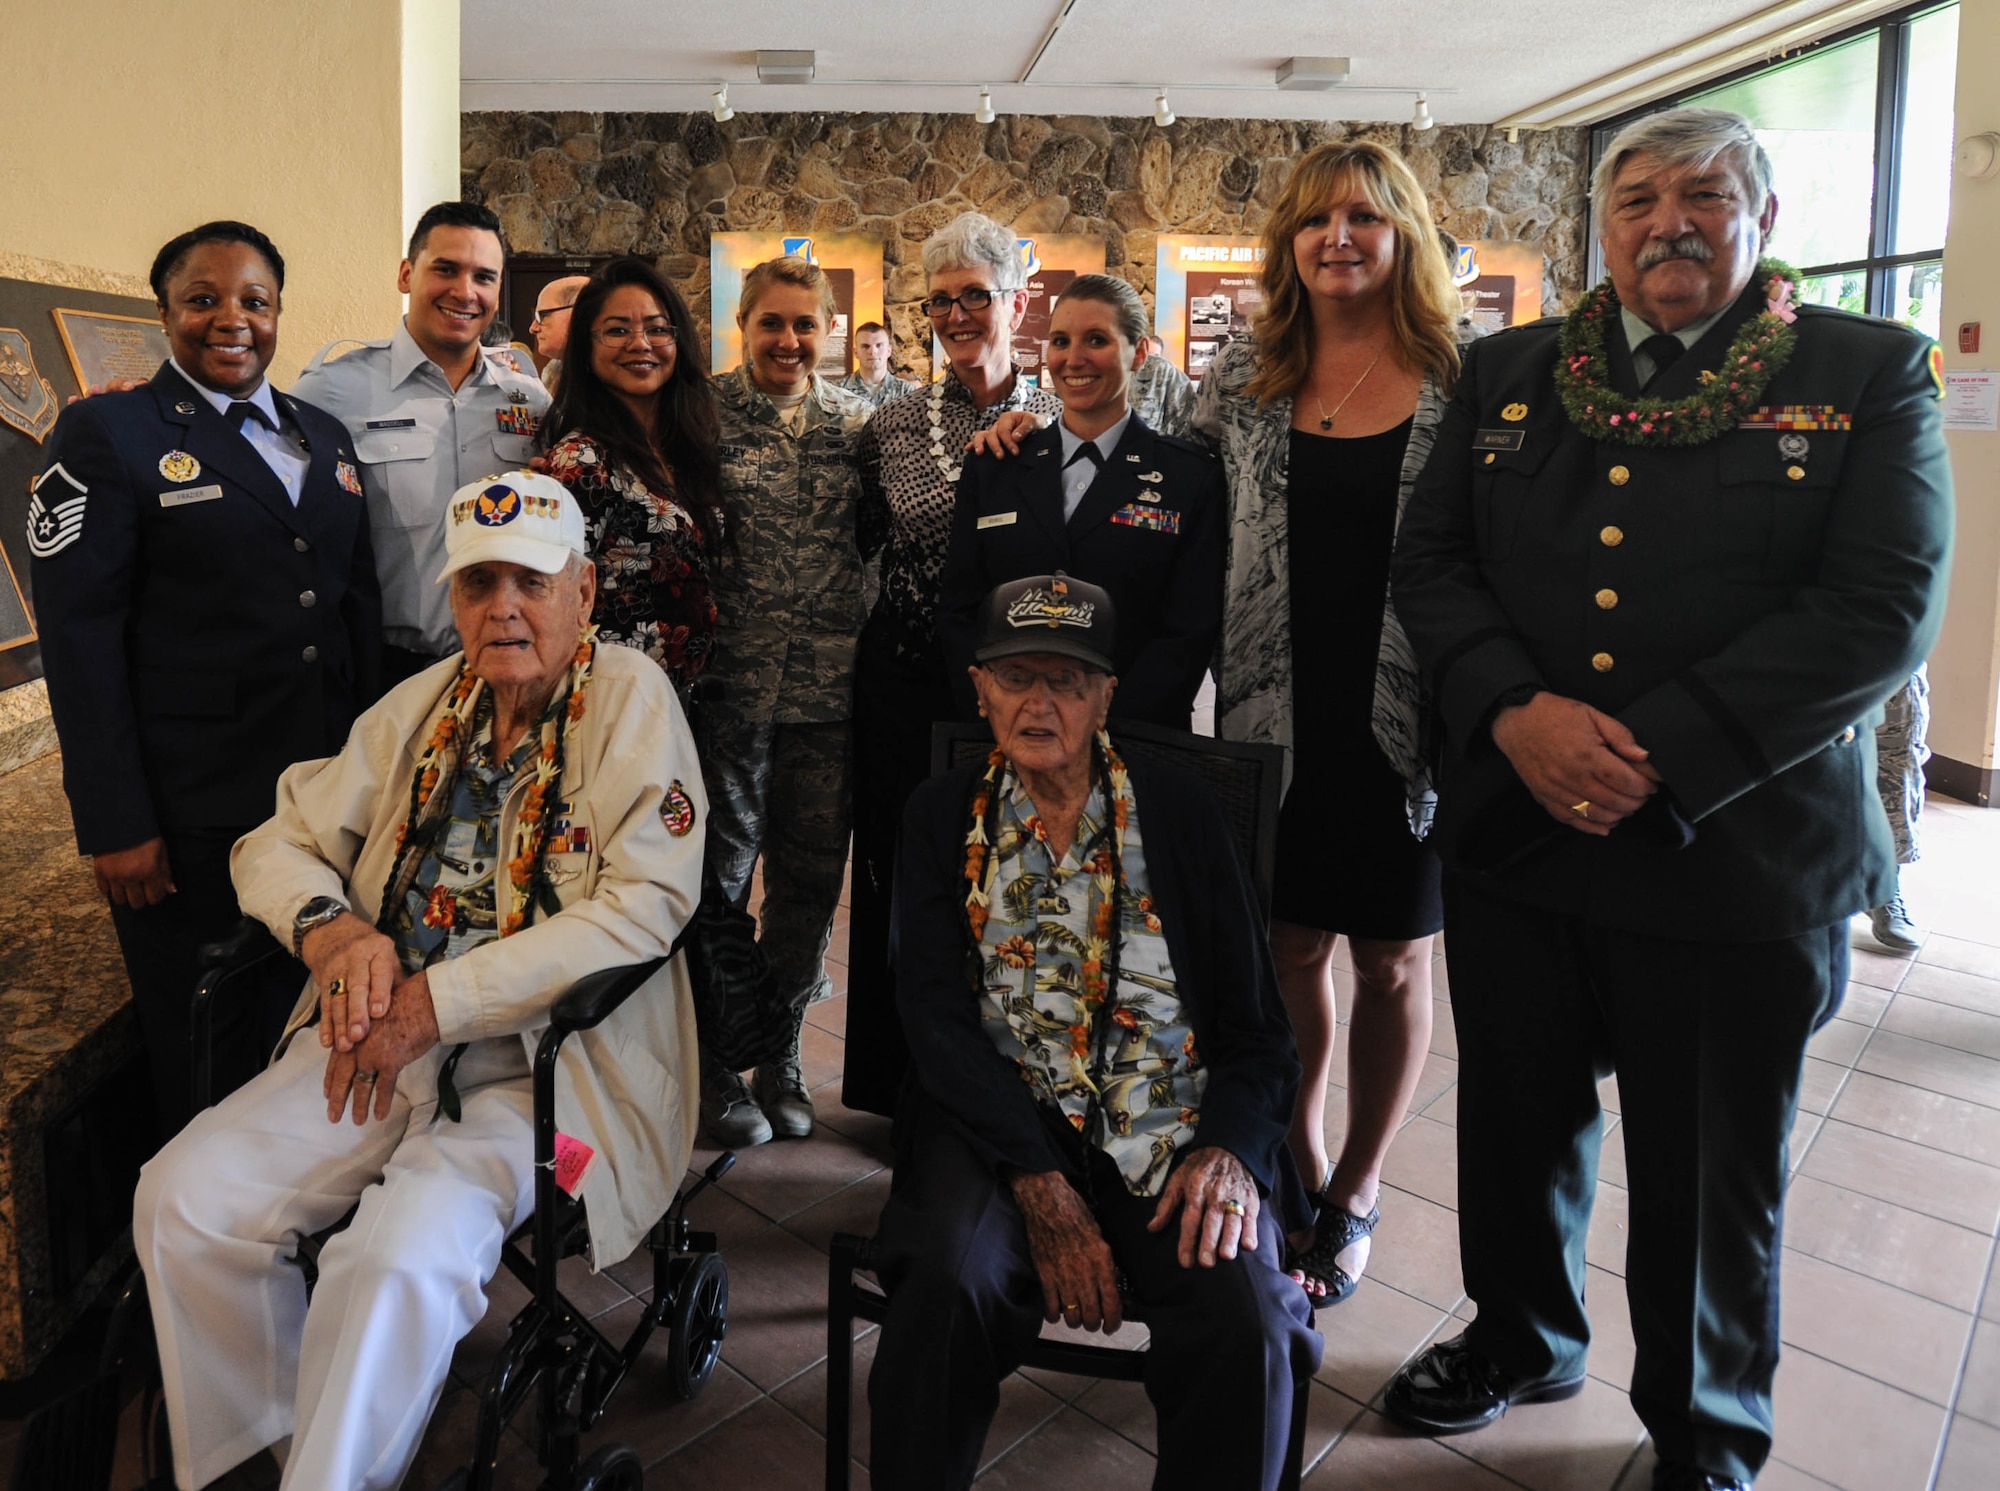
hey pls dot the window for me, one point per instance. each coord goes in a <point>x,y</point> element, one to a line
<point>1859,131</point>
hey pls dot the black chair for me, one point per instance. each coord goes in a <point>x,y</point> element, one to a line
<point>1247,781</point>
<point>553,1351</point>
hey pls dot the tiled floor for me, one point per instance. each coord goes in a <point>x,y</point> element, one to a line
<point>1891,1372</point>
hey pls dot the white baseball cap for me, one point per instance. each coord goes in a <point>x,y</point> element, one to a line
<point>518,517</point>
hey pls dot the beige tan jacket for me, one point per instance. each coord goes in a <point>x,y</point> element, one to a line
<point>627,1088</point>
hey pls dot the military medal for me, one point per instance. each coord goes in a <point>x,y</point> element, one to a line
<point>348,477</point>
<point>1793,447</point>
<point>178,465</point>
<point>677,810</point>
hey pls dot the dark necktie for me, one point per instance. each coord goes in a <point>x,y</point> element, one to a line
<point>1088,448</point>
<point>1665,351</point>
<point>240,410</point>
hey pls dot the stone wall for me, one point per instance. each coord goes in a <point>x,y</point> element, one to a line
<point>659,184</point>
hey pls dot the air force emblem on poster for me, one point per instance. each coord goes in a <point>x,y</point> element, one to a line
<point>27,402</point>
<point>55,512</point>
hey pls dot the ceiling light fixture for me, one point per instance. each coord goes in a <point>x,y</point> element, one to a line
<point>1313,74</point>
<point>723,113</point>
<point>984,114</point>
<point>785,67</point>
<point>1163,114</point>
<point>1421,120</point>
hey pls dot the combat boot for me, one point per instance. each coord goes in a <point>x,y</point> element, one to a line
<point>781,1089</point>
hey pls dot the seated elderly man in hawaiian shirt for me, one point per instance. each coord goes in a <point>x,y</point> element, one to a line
<point>501,824</point>
<point>1102,1079</point>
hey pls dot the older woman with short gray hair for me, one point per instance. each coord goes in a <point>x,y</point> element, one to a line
<point>911,456</point>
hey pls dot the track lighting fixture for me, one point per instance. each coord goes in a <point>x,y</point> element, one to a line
<point>723,113</point>
<point>1163,114</point>
<point>984,113</point>
<point>1421,120</point>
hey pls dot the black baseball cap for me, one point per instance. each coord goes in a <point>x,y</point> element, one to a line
<point>1052,614</point>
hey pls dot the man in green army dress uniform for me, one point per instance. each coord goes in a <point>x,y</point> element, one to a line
<point>1669,558</point>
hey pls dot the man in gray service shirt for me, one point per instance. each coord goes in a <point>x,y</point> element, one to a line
<point>429,410</point>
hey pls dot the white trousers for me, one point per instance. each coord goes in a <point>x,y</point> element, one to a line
<point>353,1376</point>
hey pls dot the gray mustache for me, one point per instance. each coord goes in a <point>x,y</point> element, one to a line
<point>1687,246</point>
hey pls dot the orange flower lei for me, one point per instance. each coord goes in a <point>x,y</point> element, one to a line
<point>448,738</point>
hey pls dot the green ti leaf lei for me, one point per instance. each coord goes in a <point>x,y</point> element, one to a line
<point>1723,397</point>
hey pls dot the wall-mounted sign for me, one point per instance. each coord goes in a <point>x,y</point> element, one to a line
<point>102,346</point>
<point>1205,291</point>
<point>1499,284</point>
<point>1050,261</point>
<point>852,261</point>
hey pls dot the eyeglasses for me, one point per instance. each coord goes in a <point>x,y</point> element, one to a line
<point>659,333</point>
<point>1016,678</point>
<point>542,313</point>
<point>972,301</point>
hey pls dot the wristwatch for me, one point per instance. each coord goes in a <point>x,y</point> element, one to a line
<point>315,913</point>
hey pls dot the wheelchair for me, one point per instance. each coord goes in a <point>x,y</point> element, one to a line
<point>553,1352</point>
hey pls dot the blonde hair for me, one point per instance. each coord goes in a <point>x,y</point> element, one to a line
<point>790,270</point>
<point>1424,306</point>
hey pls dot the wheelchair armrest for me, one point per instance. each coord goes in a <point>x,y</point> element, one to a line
<point>243,944</point>
<point>591,999</point>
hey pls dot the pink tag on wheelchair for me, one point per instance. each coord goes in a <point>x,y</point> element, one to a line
<point>573,1161</point>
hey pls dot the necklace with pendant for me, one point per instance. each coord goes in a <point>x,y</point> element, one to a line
<point>1326,420</point>
<point>948,465</point>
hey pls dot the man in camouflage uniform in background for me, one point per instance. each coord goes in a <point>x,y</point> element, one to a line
<point>1900,754</point>
<point>773,724</point>
<point>1162,395</point>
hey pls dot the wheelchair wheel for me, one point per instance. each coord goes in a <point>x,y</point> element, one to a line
<point>700,1320</point>
<point>610,1467</point>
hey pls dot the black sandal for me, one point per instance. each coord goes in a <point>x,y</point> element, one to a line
<point>1335,1230</point>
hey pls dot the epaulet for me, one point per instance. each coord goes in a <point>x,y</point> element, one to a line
<point>319,357</point>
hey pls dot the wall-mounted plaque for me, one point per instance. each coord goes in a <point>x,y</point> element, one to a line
<point>16,626</point>
<point>101,345</point>
<point>26,400</point>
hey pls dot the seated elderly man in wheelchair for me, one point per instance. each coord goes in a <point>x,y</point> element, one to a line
<point>1102,1073</point>
<point>496,827</point>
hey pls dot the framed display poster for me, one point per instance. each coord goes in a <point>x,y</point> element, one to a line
<point>1051,262</point>
<point>1204,294</point>
<point>852,261</point>
<point>1500,284</point>
<point>102,346</point>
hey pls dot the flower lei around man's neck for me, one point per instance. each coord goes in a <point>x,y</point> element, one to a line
<point>1107,871</point>
<point>1721,398</point>
<point>437,769</point>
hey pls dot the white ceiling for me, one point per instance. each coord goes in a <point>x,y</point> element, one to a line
<point>1478,62</point>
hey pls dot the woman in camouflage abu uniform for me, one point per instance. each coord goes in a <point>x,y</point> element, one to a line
<point>773,729</point>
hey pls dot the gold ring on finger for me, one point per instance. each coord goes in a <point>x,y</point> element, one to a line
<point>1581,809</point>
<point>337,989</point>
<point>1233,1207</point>
<point>368,1077</point>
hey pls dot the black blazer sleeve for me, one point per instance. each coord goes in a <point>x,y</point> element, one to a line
<point>1160,682</point>
<point>951,1057</point>
<point>1223,968</point>
<point>84,594</point>
<point>964,583</point>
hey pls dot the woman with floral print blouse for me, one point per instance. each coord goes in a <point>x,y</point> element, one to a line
<point>633,436</point>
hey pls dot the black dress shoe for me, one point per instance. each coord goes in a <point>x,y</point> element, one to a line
<point>1675,1475</point>
<point>1450,1389</point>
